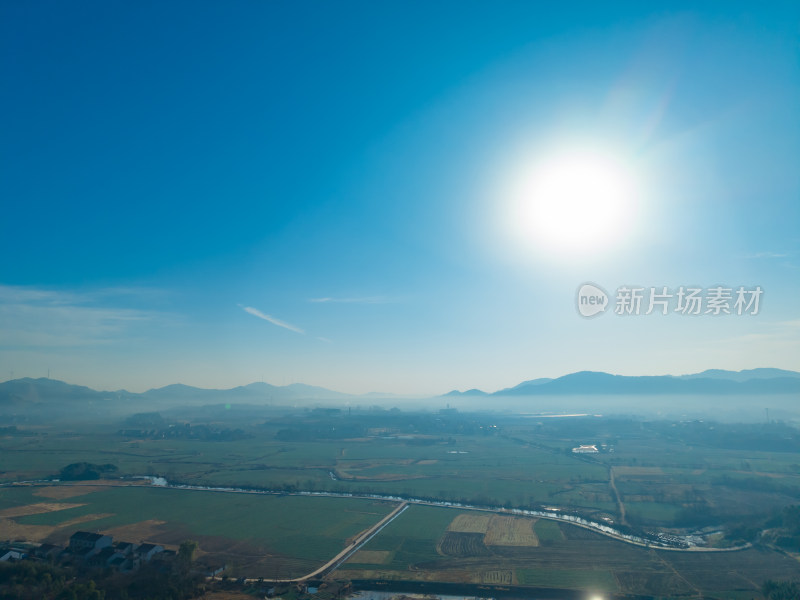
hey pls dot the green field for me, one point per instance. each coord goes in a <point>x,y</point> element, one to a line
<point>411,538</point>
<point>548,531</point>
<point>682,476</point>
<point>264,534</point>
<point>588,579</point>
<point>661,480</point>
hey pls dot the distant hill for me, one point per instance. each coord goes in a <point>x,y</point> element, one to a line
<point>178,390</point>
<point>41,395</point>
<point>472,392</point>
<point>44,395</point>
<point>525,385</point>
<point>764,381</point>
<point>743,375</point>
<point>28,391</point>
<point>507,391</point>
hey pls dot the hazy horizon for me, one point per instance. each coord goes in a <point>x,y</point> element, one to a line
<point>509,385</point>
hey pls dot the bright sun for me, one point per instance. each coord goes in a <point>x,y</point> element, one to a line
<point>574,201</point>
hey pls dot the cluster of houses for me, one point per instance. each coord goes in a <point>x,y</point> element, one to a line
<point>592,449</point>
<point>586,449</point>
<point>95,549</point>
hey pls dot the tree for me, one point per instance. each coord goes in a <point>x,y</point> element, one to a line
<point>186,552</point>
<point>781,590</point>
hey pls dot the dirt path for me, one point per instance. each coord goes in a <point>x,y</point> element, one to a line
<point>621,506</point>
<point>669,565</point>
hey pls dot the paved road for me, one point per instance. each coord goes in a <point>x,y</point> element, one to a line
<point>360,540</point>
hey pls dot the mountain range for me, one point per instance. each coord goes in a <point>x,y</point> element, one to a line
<point>713,381</point>
<point>28,392</point>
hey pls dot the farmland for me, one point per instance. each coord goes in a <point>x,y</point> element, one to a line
<point>496,530</point>
<point>572,558</point>
<point>666,476</point>
<point>265,536</point>
<point>663,476</point>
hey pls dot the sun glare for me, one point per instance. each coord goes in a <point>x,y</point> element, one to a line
<point>573,201</point>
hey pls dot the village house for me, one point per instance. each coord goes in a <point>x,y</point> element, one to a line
<point>47,551</point>
<point>85,543</point>
<point>146,551</point>
<point>125,548</point>
<point>102,558</point>
<point>11,554</point>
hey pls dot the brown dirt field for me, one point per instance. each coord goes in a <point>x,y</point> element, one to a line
<point>243,558</point>
<point>11,530</point>
<point>372,557</point>
<point>138,532</point>
<point>35,509</point>
<point>470,523</point>
<point>462,544</point>
<point>254,561</point>
<point>60,492</point>
<point>510,531</point>
<point>429,461</point>
<point>497,577</point>
<point>85,519</point>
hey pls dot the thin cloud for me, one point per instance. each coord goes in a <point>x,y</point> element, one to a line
<point>766,255</point>
<point>357,300</point>
<point>257,313</point>
<point>56,297</point>
<point>35,317</point>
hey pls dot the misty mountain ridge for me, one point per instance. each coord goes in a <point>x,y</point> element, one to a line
<point>28,392</point>
<point>743,375</point>
<point>713,381</point>
<point>43,391</point>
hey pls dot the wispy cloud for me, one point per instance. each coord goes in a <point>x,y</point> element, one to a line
<point>355,300</point>
<point>37,317</point>
<point>766,255</point>
<point>257,313</point>
<point>54,297</point>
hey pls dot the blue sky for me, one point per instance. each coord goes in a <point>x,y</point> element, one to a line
<point>216,193</point>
